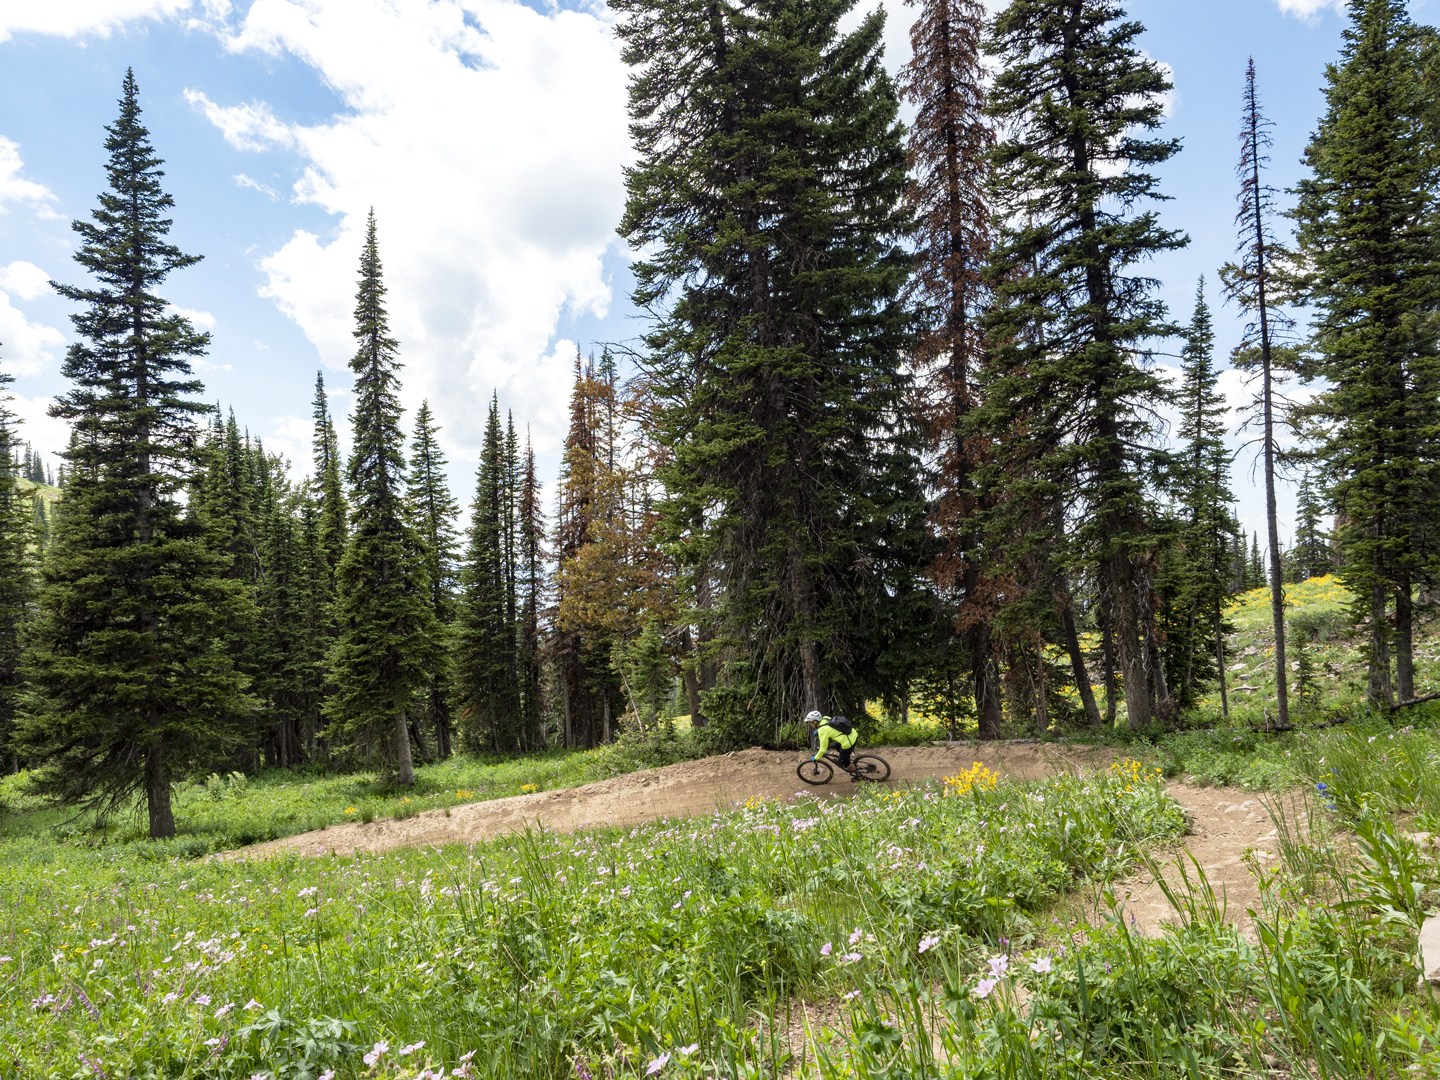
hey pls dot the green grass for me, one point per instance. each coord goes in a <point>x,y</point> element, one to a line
<point>1326,989</point>
<point>1318,620</point>
<point>539,955</point>
<point>225,812</point>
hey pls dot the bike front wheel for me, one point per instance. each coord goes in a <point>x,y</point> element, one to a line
<point>871,767</point>
<point>814,772</point>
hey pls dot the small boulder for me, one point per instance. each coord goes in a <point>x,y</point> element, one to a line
<point>1430,949</point>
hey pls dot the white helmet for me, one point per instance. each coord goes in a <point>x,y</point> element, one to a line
<point>813,717</point>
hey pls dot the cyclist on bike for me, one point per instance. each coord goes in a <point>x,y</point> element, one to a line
<point>826,729</point>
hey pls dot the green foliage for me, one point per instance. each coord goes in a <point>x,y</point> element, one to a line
<point>535,955</point>
<point>767,196</point>
<point>489,678</point>
<point>1195,566</point>
<point>434,510</point>
<point>17,574</point>
<point>1069,398</point>
<point>132,684</point>
<point>387,635</point>
<point>1367,217</point>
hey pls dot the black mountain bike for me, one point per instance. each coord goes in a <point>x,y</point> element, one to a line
<point>867,767</point>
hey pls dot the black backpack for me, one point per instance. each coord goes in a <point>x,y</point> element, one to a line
<point>840,724</point>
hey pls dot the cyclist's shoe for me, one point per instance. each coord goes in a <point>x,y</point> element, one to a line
<point>854,776</point>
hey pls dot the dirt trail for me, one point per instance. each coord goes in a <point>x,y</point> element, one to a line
<point>684,790</point>
<point>1226,824</point>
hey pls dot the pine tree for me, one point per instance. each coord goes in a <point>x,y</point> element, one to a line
<point>1070,397</point>
<point>283,649</point>
<point>532,600</point>
<point>948,148</point>
<point>1254,283</point>
<point>769,186</point>
<point>488,679</point>
<point>225,502</point>
<point>1368,228</point>
<point>1311,557</point>
<point>16,579</point>
<point>1255,566</point>
<point>333,511</point>
<point>434,511</point>
<point>133,684</point>
<point>1203,501</point>
<point>387,637</point>
<point>589,572</point>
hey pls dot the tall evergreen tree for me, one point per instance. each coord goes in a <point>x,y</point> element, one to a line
<point>1203,498</point>
<point>333,510</point>
<point>16,578</point>
<point>1070,397</point>
<point>532,600</point>
<point>949,145</point>
<point>588,568</point>
<point>1311,557</point>
<point>1368,230</point>
<point>769,186</point>
<point>489,683</point>
<point>133,683</point>
<point>434,511</point>
<point>387,637</point>
<point>1254,283</point>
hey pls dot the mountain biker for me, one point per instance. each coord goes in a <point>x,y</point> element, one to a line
<point>826,729</point>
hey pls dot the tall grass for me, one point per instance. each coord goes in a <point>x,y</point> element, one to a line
<point>537,955</point>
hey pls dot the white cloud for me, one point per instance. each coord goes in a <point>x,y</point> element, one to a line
<point>243,181</point>
<point>202,320</point>
<point>252,126</point>
<point>490,142</point>
<point>37,427</point>
<point>16,189</point>
<point>24,279</point>
<point>289,436</point>
<point>26,348</point>
<point>76,18</point>
<point>1309,9</point>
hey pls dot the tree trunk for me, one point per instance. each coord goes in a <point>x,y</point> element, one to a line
<point>417,735</point>
<point>1037,687</point>
<point>1404,640</point>
<point>442,726</point>
<point>1220,665</point>
<point>1077,665</point>
<point>1380,692</point>
<point>157,794</point>
<point>691,681</point>
<point>1107,658</point>
<point>404,763</point>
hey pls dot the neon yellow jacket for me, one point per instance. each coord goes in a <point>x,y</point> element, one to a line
<point>826,733</point>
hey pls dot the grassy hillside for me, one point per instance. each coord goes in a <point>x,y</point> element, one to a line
<point>1327,665</point>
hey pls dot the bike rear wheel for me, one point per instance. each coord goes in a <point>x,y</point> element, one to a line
<point>814,772</point>
<point>870,767</point>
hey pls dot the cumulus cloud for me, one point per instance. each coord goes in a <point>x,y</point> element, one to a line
<point>14,188</point>
<point>24,280</point>
<point>78,18</point>
<point>26,348</point>
<point>489,138</point>
<point>1309,9</point>
<point>251,126</point>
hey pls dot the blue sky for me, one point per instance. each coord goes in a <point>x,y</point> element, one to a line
<point>489,136</point>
